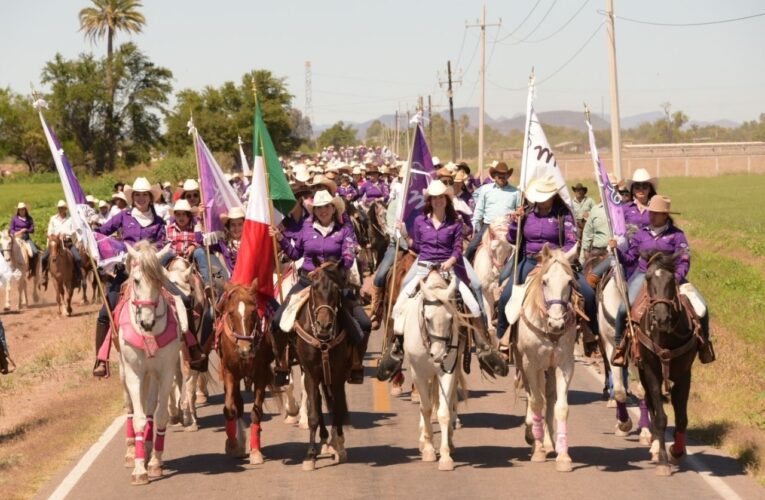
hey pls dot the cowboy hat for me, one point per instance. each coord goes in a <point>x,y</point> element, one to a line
<point>102,204</point>
<point>119,195</point>
<point>21,205</point>
<point>437,188</point>
<point>372,168</point>
<point>542,189</point>
<point>436,161</point>
<point>233,213</point>
<point>302,175</point>
<point>90,199</point>
<point>451,167</point>
<point>579,187</point>
<point>661,204</point>
<point>641,175</point>
<point>61,204</point>
<point>323,198</point>
<point>460,176</point>
<point>182,206</point>
<point>166,185</point>
<point>356,170</point>
<point>142,185</point>
<point>299,188</point>
<point>444,172</point>
<point>321,180</point>
<point>500,167</point>
<point>190,185</point>
<point>384,170</point>
<point>228,177</point>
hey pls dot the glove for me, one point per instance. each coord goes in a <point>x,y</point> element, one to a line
<point>210,238</point>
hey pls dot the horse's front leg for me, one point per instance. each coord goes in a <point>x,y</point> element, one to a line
<point>133,381</point>
<point>563,375</point>
<point>7,306</point>
<point>314,415</point>
<point>652,383</point>
<point>69,289</point>
<point>231,384</point>
<point>534,418</point>
<point>256,456</point>
<point>426,413</point>
<point>164,387</point>
<point>189,405</point>
<point>23,299</point>
<point>339,416</point>
<point>446,397</point>
<point>680,393</point>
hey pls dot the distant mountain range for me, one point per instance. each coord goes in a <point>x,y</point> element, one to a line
<point>570,119</point>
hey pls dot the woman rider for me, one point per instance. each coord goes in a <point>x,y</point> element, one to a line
<point>661,235</point>
<point>233,221</point>
<point>324,237</point>
<point>23,225</point>
<point>437,239</point>
<point>191,193</point>
<point>548,222</point>
<point>138,223</point>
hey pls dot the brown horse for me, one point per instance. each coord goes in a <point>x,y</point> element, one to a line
<point>378,237</point>
<point>87,271</point>
<point>246,353</point>
<point>61,267</point>
<point>393,287</point>
<point>323,350</point>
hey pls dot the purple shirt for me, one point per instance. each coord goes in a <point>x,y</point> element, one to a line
<point>132,232</point>
<point>671,241</point>
<point>538,230</point>
<point>293,226</point>
<point>633,216</point>
<point>348,192</point>
<point>467,198</point>
<point>371,191</point>
<point>17,224</point>
<point>229,253</point>
<point>339,245</point>
<point>436,245</point>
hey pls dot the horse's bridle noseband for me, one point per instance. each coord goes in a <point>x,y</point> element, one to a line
<point>312,318</point>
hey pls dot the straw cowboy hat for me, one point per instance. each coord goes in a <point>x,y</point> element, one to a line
<point>234,213</point>
<point>460,176</point>
<point>579,187</point>
<point>437,188</point>
<point>500,168</point>
<point>190,185</point>
<point>451,167</point>
<point>436,161</point>
<point>444,172</point>
<point>323,198</point>
<point>102,204</point>
<point>182,206</point>
<point>384,170</point>
<point>302,175</point>
<point>661,204</point>
<point>61,204</point>
<point>299,188</point>
<point>641,175</point>
<point>321,180</point>
<point>356,170</point>
<point>21,205</point>
<point>372,168</point>
<point>542,189</point>
<point>142,185</point>
<point>90,199</point>
<point>119,195</point>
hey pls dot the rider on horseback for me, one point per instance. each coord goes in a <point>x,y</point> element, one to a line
<point>374,188</point>
<point>61,225</point>
<point>324,237</point>
<point>22,226</point>
<point>437,239</point>
<point>661,235</point>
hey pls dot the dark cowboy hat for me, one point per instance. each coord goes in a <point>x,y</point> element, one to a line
<point>299,188</point>
<point>579,187</point>
<point>500,168</point>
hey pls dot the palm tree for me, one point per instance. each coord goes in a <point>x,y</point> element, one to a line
<point>106,18</point>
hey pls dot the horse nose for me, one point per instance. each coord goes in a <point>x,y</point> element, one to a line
<point>555,325</point>
<point>147,325</point>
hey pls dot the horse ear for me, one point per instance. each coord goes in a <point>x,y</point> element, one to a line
<point>315,261</point>
<point>546,253</point>
<point>162,252</point>
<point>254,286</point>
<point>131,251</point>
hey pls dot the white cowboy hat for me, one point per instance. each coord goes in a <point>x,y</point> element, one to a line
<point>190,185</point>
<point>451,166</point>
<point>102,204</point>
<point>166,185</point>
<point>119,195</point>
<point>437,188</point>
<point>321,180</point>
<point>182,206</point>
<point>233,213</point>
<point>21,205</point>
<point>542,189</point>
<point>302,175</point>
<point>356,170</point>
<point>384,170</point>
<point>228,177</point>
<point>90,199</point>
<point>641,175</point>
<point>323,198</point>
<point>142,185</point>
<point>61,204</point>
<point>436,160</point>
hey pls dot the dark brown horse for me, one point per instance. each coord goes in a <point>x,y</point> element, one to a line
<point>245,351</point>
<point>61,267</point>
<point>665,348</point>
<point>323,350</point>
<point>378,236</point>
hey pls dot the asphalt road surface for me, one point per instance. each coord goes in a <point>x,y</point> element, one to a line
<point>491,457</point>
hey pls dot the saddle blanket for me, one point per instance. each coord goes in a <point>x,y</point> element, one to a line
<point>149,343</point>
<point>695,298</point>
<point>296,301</point>
<point>514,306</point>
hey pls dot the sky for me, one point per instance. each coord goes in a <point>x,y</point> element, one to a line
<point>372,57</point>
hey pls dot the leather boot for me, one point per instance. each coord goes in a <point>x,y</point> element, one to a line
<point>282,364</point>
<point>620,353</point>
<point>706,351</point>
<point>356,375</point>
<point>100,369</point>
<point>392,359</point>
<point>377,298</point>
<point>593,280</point>
<point>489,359</point>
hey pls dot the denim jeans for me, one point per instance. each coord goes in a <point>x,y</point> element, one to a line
<point>633,288</point>
<point>473,246</point>
<point>385,264</point>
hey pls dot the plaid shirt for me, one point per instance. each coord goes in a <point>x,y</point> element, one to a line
<point>180,239</point>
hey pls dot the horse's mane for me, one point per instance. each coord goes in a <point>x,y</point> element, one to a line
<point>661,260</point>
<point>534,289</point>
<point>149,263</point>
<point>495,225</point>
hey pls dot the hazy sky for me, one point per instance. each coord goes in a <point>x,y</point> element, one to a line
<point>369,57</point>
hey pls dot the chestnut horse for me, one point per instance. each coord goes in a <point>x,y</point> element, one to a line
<point>61,267</point>
<point>246,353</point>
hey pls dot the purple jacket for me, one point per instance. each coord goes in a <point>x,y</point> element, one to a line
<point>292,226</point>
<point>540,230</point>
<point>671,241</point>
<point>17,224</point>
<point>229,253</point>
<point>371,192</point>
<point>340,245</point>
<point>467,198</point>
<point>633,216</point>
<point>436,245</point>
<point>132,232</point>
<point>348,192</point>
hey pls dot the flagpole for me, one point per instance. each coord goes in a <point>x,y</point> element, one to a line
<point>277,265</point>
<point>522,176</point>
<point>204,216</point>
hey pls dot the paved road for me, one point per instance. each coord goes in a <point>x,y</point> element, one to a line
<point>491,456</point>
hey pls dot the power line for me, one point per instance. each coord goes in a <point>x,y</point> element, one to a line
<point>524,20</point>
<point>472,58</point>
<point>462,46</point>
<point>534,30</point>
<point>543,39</point>
<point>704,23</point>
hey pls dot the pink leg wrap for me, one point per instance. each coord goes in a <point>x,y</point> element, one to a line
<point>159,443</point>
<point>561,438</point>
<point>148,430</point>
<point>140,453</point>
<point>231,429</point>
<point>129,430</point>
<point>189,338</point>
<point>679,445</point>
<point>255,437</point>
<point>537,428</point>
<point>106,348</point>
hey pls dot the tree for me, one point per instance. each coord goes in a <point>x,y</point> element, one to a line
<point>105,19</point>
<point>21,135</point>
<point>374,134</point>
<point>338,135</point>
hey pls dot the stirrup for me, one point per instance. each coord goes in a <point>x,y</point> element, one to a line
<point>707,352</point>
<point>356,376</point>
<point>620,354</point>
<point>99,369</point>
<point>391,362</point>
<point>281,378</point>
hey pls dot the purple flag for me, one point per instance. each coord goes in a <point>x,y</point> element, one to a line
<point>418,176</point>
<point>218,194</point>
<point>612,201</point>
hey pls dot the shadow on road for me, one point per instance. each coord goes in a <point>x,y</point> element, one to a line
<point>205,463</point>
<point>497,421</point>
<point>608,459</point>
<point>488,457</point>
<point>367,420</point>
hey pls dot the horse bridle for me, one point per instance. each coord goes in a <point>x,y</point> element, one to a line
<point>674,305</point>
<point>313,313</point>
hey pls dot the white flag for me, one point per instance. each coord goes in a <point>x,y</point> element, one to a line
<point>540,161</point>
<point>245,166</point>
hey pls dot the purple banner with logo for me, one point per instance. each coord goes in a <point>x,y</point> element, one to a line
<point>419,174</point>
<point>219,196</point>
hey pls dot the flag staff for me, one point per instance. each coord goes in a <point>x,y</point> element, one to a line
<point>277,265</point>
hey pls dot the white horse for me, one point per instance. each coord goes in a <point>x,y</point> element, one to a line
<point>546,338</point>
<point>607,308</point>
<point>490,258</point>
<point>434,348</point>
<point>16,254</point>
<point>149,343</point>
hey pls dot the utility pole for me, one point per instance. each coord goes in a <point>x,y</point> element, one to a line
<point>481,103</point>
<point>450,93</point>
<point>430,123</point>
<point>397,134</point>
<point>616,138</point>
<point>308,96</point>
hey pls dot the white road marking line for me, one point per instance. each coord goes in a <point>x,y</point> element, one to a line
<point>697,464</point>
<point>87,460</point>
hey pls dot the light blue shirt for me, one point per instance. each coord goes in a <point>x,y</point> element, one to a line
<point>493,202</point>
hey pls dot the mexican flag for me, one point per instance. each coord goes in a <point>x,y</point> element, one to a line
<point>270,198</point>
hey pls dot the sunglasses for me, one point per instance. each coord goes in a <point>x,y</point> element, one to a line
<point>641,185</point>
<point>192,194</point>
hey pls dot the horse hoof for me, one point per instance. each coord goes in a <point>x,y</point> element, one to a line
<point>326,450</point>
<point>140,479</point>
<point>155,471</point>
<point>129,462</point>
<point>622,429</point>
<point>563,465</point>
<point>291,419</point>
<point>309,465</point>
<point>654,458</point>
<point>663,470</point>
<point>340,457</point>
<point>303,425</point>
<point>539,456</point>
<point>611,403</point>
<point>446,464</point>
<point>645,437</point>
<point>675,457</point>
<point>429,455</point>
<point>415,398</point>
<point>256,458</point>
<point>191,428</point>
<point>396,390</point>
